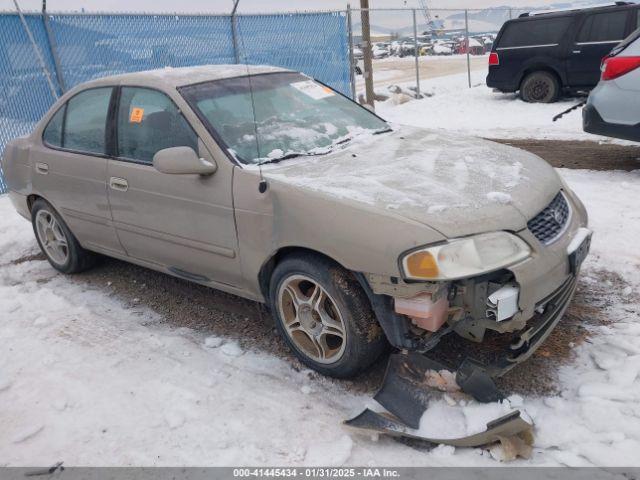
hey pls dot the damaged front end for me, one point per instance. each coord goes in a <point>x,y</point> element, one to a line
<point>520,305</point>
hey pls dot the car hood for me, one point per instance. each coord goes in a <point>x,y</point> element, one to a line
<point>455,185</point>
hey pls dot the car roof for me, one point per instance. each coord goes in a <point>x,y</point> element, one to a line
<point>170,78</point>
<point>540,15</point>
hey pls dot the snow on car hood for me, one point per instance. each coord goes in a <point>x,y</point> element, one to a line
<point>456,185</point>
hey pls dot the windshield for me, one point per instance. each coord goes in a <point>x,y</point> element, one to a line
<point>294,115</point>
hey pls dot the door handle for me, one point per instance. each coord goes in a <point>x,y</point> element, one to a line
<point>119,184</point>
<point>577,51</point>
<point>42,168</point>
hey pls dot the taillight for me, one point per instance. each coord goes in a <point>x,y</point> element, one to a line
<point>494,59</point>
<point>614,67</point>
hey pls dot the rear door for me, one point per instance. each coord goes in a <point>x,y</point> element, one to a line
<point>70,168</point>
<point>597,35</point>
<point>184,223</point>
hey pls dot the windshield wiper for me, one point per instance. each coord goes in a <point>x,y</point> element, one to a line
<point>328,150</point>
<point>280,159</point>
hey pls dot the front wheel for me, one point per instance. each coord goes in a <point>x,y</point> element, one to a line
<point>324,316</point>
<point>540,87</point>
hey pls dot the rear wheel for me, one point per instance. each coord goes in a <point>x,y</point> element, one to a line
<point>324,316</point>
<point>57,242</point>
<point>540,87</point>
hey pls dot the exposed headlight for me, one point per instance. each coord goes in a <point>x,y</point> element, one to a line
<point>465,257</point>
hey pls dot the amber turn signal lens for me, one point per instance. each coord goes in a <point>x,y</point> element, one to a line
<point>421,265</point>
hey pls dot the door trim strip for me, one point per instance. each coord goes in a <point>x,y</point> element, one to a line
<point>528,46</point>
<point>183,242</point>
<point>599,43</point>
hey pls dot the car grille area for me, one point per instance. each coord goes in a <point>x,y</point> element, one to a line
<point>550,222</point>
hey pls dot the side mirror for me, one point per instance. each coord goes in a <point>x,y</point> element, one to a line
<point>182,161</point>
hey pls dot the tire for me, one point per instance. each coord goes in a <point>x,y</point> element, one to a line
<point>56,241</point>
<point>540,87</point>
<point>352,338</point>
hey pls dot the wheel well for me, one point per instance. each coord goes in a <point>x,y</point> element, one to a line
<point>31,200</point>
<point>547,69</point>
<point>264,277</point>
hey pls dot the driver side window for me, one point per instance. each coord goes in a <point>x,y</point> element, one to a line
<point>149,121</point>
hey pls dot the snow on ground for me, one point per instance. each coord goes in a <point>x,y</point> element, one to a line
<point>86,380</point>
<point>480,111</point>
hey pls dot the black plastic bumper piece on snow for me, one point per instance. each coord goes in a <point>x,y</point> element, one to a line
<point>406,393</point>
<point>510,425</point>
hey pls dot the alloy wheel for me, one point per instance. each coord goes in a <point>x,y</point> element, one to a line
<point>52,237</point>
<point>312,319</point>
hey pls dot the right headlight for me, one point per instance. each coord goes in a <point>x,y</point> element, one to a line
<point>465,257</point>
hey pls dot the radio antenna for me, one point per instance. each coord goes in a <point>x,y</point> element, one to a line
<point>262,187</point>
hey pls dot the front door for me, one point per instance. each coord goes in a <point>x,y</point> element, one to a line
<point>596,37</point>
<point>184,223</point>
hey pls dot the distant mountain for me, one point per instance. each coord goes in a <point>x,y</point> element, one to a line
<point>498,15</point>
<point>485,20</point>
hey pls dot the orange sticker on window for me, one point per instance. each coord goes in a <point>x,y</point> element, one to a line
<point>136,115</point>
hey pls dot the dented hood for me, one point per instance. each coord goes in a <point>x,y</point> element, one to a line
<point>455,185</point>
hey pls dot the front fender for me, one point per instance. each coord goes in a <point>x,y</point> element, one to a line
<point>357,236</point>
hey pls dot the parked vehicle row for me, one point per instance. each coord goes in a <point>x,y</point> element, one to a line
<point>454,44</point>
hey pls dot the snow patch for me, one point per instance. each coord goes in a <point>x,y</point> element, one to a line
<point>444,421</point>
<point>174,420</point>
<point>5,383</point>
<point>499,197</point>
<point>333,453</point>
<point>27,433</point>
<point>232,349</point>
<point>213,342</point>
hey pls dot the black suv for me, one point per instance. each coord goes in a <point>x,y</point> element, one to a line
<point>544,54</point>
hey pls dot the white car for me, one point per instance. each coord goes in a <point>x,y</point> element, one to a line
<point>613,108</point>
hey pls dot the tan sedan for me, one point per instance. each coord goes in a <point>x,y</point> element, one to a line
<point>269,185</point>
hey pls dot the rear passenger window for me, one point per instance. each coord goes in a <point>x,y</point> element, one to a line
<point>86,121</point>
<point>149,121</point>
<point>535,32</point>
<point>604,27</point>
<point>53,132</point>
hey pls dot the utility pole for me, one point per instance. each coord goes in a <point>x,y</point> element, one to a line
<point>234,31</point>
<point>466,34</point>
<point>367,50</point>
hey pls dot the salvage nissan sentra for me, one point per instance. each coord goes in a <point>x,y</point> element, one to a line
<point>269,185</point>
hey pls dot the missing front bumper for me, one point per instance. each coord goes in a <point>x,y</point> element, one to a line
<point>406,392</point>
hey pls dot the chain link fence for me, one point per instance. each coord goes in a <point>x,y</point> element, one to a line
<point>411,46</point>
<point>79,47</point>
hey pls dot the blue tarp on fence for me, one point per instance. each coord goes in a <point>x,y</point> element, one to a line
<point>90,46</point>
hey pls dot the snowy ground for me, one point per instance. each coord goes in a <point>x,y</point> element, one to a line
<point>87,380</point>
<point>480,111</point>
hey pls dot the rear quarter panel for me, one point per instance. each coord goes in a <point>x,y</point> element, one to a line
<point>16,166</point>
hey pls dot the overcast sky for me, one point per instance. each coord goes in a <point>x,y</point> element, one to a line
<point>252,5</point>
